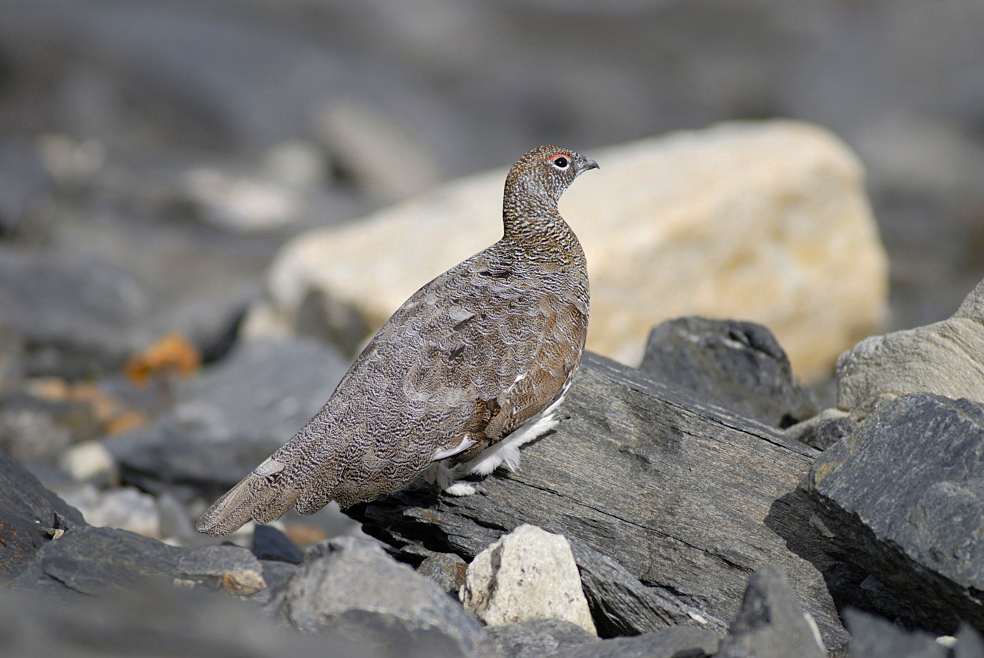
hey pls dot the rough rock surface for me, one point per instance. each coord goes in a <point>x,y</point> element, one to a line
<point>903,494</point>
<point>764,221</point>
<point>872,637</point>
<point>771,622</point>
<point>945,358</point>
<point>352,588</point>
<point>527,574</point>
<point>230,417</point>
<point>671,642</point>
<point>536,638</point>
<point>446,569</point>
<point>29,516</point>
<point>738,365</point>
<point>664,504</point>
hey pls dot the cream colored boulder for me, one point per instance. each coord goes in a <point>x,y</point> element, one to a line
<point>763,221</point>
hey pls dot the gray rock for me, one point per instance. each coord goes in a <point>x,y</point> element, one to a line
<point>230,417</point>
<point>621,605</point>
<point>738,365</point>
<point>445,569</point>
<point>29,516</point>
<point>232,568</point>
<point>158,621</point>
<point>526,574</point>
<point>684,496</point>
<point>902,496</point>
<point>536,638</point>
<point>945,358</point>
<point>125,508</point>
<point>872,637</point>
<point>969,643</point>
<point>271,544</point>
<point>673,642</point>
<point>823,430</point>
<point>352,588</point>
<point>771,623</point>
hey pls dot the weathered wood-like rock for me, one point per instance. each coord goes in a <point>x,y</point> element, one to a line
<point>903,495</point>
<point>738,365</point>
<point>29,516</point>
<point>685,496</point>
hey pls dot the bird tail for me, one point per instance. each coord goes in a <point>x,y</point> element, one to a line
<point>262,495</point>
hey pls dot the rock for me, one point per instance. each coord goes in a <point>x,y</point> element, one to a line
<point>766,222</point>
<point>771,623</point>
<point>823,430</point>
<point>445,569</point>
<point>666,643</point>
<point>271,544</point>
<point>685,497</point>
<point>621,605</point>
<point>527,574</point>
<point>872,637</point>
<point>29,516</point>
<point>126,509</point>
<point>87,460</point>
<point>30,433</point>
<point>738,365</point>
<point>230,417</point>
<point>352,588</point>
<point>945,358</point>
<point>535,638</point>
<point>232,568</point>
<point>161,621</point>
<point>902,495</point>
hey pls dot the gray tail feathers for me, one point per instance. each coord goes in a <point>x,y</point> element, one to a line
<point>262,495</point>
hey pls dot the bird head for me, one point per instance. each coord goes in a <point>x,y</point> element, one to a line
<point>543,174</point>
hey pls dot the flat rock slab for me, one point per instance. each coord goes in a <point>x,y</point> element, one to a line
<point>29,517</point>
<point>685,496</point>
<point>904,495</point>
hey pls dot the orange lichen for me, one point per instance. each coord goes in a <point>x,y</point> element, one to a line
<point>172,354</point>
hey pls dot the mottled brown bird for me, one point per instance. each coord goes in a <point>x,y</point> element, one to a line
<point>466,371</point>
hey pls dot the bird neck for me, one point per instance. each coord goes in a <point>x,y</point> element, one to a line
<point>535,227</point>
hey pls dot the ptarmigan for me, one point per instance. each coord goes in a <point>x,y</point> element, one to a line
<point>467,370</point>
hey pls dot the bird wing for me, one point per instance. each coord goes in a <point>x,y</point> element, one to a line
<point>471,356</point>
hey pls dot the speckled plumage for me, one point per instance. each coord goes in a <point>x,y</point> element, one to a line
<point>470,363</point>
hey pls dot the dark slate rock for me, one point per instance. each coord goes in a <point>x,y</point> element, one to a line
<point>271,544</point>
<point>873,637</point>
<point>537,638</point>
<point>678,642</point>
<point>621,605</point>
<point>771,623</point>
<point>738,365</point>
<point>351,587</point>
<point>445,569</point>
<point>230,417</point>
<point>823,430</point>
<point>903,496</point>
<point>690,498</point>
<point>232,568</point>
<point>88,561</point>
<point>156,621</point>
<point>29,517</point>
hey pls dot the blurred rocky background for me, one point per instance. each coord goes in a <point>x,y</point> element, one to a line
<point>162,166</point>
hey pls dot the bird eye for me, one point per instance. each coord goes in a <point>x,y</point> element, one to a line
<point>560,161</point>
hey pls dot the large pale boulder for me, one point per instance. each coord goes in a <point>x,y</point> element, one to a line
<point>763,221</point>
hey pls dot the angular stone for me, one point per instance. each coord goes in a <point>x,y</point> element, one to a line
<point>535,638</point>
<point>232,568</point>
<point>771,623</point>
<point>351,587</point>
<point>945,358</point>
<point>903,497</point>
<point>671,642</point>
<point>686,497</point>
<point>271,544</point>
<point>738,365</point>
<point>763,221</point>
<point>872,637</point>
<point>445,569</point>
<point>527,574</point>
<point>29,516</point>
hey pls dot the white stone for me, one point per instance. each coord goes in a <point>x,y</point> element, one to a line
<point>762,221</point>
<point>126,509</point>
<point>528,574</point>
<point>86,460</point>
<point>945,358</point>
